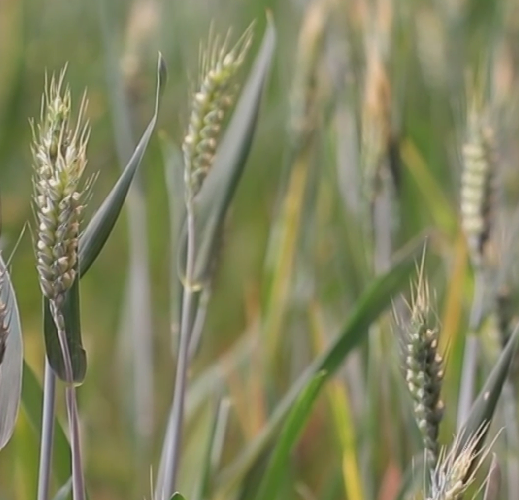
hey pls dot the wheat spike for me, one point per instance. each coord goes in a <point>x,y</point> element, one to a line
<point>214,96</point>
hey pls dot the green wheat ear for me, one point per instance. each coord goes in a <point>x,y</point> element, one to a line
<point>424,365</point>
<point>59,161</point>
<point>212,99</point>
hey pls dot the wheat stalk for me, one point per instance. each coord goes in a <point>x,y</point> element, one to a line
<point>218,66</point>
<point>59,158</point>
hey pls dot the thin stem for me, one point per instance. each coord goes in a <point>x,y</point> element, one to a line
<point>47,431</point>
<point>78,480</point>
<point>471,353</point>
<point>175,424</point>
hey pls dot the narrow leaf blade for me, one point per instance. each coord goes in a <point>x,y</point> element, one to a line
<point>482,412</point>
<point>291,431</point>
<point>98,230</point>
<point>215,439</point>
<point>11,367</point>
<point>371,304</point>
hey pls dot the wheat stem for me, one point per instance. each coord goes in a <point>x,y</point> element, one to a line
<point>172,456</point>
<point>47,431</point>
<point>78,481</point>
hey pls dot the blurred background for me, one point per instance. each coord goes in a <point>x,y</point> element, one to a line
<point>397,69</point>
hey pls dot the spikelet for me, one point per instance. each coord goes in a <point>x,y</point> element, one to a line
<point>456,470</point>
<point>424,366</point>
<point>477,184</point>
<point>214,96</point>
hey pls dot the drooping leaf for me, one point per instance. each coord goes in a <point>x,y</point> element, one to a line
<point>177,496</point>
<point>288,437</point>
<point>32,400</point>
<point>482,411</point>
<point>370,305</point>
<point>91,243</point>
<point>217,192</point>
<point>12,363</point>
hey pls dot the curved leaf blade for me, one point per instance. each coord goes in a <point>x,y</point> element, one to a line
<point>98,230</point>
<point>371,304</point>
<point>12,363</point>
<point>482,411</point>
<point>290,433</point>
<point>219,187</point>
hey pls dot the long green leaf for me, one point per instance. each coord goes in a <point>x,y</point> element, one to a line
<point>11,365</point>
<point>91,243</point>
<point>482,411</point>
<point>102,223</point>
<point>293,427</point>
<point>218,189</point>
<point>32,400</point>
<point>213,450</point>
<point>177,496</point>
<point>371,304</point>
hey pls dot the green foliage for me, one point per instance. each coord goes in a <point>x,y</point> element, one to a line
<point>360,149</point>
<point>288,436</point>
